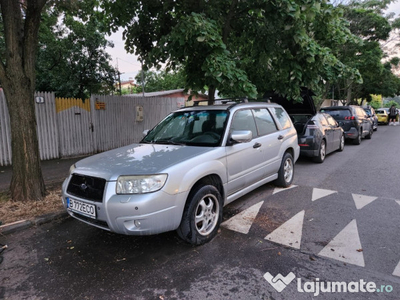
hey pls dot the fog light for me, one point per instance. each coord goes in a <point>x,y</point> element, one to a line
<point>137,223</point>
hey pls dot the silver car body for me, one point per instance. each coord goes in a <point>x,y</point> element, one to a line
<point>240,167</point>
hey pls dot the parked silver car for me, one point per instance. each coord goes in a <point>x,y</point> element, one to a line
<point>184,171</point>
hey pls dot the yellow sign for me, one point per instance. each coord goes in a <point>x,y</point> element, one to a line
<point>100,105</point>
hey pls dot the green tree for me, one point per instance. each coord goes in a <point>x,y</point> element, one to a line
<point>367,22</point>
<point>161,81</point>
<point>72,57</point>
<point>240,48</point>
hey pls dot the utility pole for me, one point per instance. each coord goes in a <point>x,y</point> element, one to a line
<point>142,78</point>
<point>119,80</point>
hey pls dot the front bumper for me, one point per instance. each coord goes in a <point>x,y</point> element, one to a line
<point>143,214</point>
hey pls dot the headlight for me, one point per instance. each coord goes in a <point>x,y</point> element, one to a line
<point>71,169</point>
<point>140,184</point>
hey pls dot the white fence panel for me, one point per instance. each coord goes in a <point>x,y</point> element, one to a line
<point>74,126</point>
<point>115,119</point>
<point>45,110</point>
<point>5,132</point>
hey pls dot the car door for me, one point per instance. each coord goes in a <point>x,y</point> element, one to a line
<point>245,161</point>
<point>270,138</point>
<point>336,130</point>
<point>365,121</point>
<point>328,132</point>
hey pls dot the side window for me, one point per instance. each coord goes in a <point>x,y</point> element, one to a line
<point>331,121</point>
<point>282,117</point>
<point>244,120</point>
<point>360,112</point>
<point>264,121</point>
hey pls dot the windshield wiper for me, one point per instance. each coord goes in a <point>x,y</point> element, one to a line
<point>167,142</point>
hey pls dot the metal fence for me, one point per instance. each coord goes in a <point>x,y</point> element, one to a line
<point>70,127</point>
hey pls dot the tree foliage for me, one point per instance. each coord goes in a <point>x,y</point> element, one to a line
<point>161,81</point>
<point>72,57</point>
<point>367,22</point>
<point>238,47</point>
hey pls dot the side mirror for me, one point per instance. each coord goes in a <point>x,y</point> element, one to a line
<point>241,136</point>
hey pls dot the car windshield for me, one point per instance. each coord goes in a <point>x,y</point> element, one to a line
<point>196,128</point>
<point>337,114</point>
<point>368,111</point>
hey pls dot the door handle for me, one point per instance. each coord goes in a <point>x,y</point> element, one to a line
<point>256,145</point>
<point>280,137</point>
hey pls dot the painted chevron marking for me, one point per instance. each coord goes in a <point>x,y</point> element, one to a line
<point>320,193</point>
<point>344,246</point>
<point>242,222</point>
<point>277,190</point>
<point>290,232</point>
<point>361,200</point>
<point>396,271</point>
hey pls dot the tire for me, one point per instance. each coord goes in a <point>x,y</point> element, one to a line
<point>369,135</point>
<point>202,215</point>
<point>286,171</point>
<point>342,143</point>
<point>321,152</point>
<point>357,141</point>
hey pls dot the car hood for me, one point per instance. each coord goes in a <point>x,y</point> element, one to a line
<point>307,107</point>
<point>136,159</point>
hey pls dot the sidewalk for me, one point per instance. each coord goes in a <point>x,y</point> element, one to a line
<point>54,172</point>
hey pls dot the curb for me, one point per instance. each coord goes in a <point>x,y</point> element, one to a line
<point>24,224</point>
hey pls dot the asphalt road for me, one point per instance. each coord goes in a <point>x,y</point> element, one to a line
<point>336,228</point>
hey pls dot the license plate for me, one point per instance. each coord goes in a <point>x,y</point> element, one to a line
<point>82,208</point>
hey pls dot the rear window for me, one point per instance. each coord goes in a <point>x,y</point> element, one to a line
<point>380,112</point>
<point>338,114</point>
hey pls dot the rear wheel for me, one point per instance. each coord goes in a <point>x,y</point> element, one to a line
<point>342,142</point>
<point>202,215</point>
<point>357,141</point>
<point>286,171</point>
<point>321,153</point>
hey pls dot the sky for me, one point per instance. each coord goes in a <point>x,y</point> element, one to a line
<point>129,66</point>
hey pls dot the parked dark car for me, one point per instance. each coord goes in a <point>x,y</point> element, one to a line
<point>354,121</point>
<point>372,116</point>
<point>318,133</point>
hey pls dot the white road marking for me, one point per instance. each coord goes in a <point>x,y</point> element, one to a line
<point>361,200</point>
<point>398,202</point>
<point>346,246</point>
<point>242,222</point>
<point>320,193</point>
<point>277,190</point>
<point>290,232</point>
<point>396,271</point>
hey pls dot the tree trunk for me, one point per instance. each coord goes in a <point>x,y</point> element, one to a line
<point>21,21</point>
<point>27,181</point>
<point>211,95</point>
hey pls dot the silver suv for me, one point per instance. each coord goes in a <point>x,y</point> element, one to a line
<point>184,171</point>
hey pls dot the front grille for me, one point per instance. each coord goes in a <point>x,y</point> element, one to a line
<point>87,187</point>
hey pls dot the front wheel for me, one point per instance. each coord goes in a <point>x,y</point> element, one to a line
<point>321,153</point>
<point>202,215</point>
<point>286,171</point>
<point>369,135</point>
